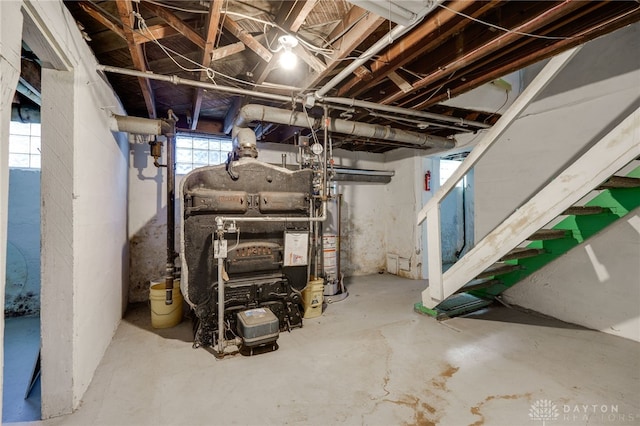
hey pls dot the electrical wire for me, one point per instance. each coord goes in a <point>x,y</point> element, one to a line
<point>168,6</point>
<point>501,106</point>
<point>498,27</point>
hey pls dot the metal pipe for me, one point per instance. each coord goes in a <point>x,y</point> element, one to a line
<point>253,112</point>
<point>420,123</point>
<point>405,111</point>
<point>171,211</point>
<point>221,285</point>
<point>320,218</point>
<point>288,99</point>
<point>138,126</point>
<point>193,83</point>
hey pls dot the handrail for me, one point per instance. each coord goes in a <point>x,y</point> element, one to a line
<point>555,65</point>
<point>610,154</point>
<point>436,290</point>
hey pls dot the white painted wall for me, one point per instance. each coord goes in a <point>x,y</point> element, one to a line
<point>22,289</point>
<point>570,289</point>
<point>84,199</point>
<point>558,126</point>
<point>402,198</point>
<point>10,31</point>
<point>586,100</point>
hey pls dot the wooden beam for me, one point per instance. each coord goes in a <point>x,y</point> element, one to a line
<point>177,23</point>
<point>402,84</point>
<point>228,50</point>
<point>253,44</point>
<point>125,10</point>
<point>93,11</point>
<point>291,16</point>
<point>213,21</point>
<point>361,24</point>
<point>316,64</point>
<point>548,51</point>
<point>431,33</point>
<point>297,15</point>
<point>157,32</point>
<point>504,39</point>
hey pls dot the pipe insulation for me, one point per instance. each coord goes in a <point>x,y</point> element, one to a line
<point>253,112</point>
<point>138,125</point>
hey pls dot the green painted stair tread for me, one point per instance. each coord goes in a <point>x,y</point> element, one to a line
<point>456,305</point>
<point>521,253</point>
<point>620,182</point>
<point>498,269</point>
<point>548,234</point>
<point>584,210</point>
<point>616,203</point>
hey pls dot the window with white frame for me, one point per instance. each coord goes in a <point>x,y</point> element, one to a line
<point>24,145</point>
<point>197,150</point>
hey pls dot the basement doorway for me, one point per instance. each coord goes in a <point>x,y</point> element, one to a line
<point>457,211</point>
<point>21,375</point>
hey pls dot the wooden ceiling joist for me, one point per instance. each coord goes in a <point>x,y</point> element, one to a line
<point>290,17</point>
<point>238,32</point>
<point>530,26</point>
<point>213,21</point>
<point>177,23</point>
<point>228,50</point>
<point>362,24</point>
<point>93,11</point>
<point>432,32</point>
<point>125,10</point>
<point>157,32</point>
<point>538,54</point>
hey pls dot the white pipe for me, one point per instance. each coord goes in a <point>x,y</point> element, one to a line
<point>253,112</point>
<point>384,41</point>
<point>320,218</point>
<point>404,111</point>
<point>288,99</point>
<point>137,125</point>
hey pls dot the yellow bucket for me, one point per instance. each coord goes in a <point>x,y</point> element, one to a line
<point>312,298</point>
<point>163,315</point>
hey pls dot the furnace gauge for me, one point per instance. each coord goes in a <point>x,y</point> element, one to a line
<point>316,148</point>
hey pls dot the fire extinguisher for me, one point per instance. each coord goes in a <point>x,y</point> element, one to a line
<point>427,181</point>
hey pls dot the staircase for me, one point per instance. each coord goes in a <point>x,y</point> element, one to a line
<point>607,203</point>
<point>596,189</point>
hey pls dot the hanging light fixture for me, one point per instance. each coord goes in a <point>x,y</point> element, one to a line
<point>288,59</point>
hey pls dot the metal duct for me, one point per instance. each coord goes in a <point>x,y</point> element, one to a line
<point>253,112</point>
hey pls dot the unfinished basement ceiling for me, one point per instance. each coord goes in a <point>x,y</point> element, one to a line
<point>459,45</point>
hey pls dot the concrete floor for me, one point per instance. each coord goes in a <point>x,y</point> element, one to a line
<point>370,360</point>
<point>21,347</point>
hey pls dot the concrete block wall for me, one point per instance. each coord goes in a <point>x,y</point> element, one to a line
<point>84,198</point>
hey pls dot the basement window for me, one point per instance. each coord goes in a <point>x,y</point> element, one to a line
<point>24,145</point>
<point>447,168</point>
<point>197,150</point>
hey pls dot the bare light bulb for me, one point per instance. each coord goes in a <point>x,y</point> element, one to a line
<point>288,59</point>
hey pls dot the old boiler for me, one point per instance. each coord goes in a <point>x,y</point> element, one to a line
<point>245,244</point>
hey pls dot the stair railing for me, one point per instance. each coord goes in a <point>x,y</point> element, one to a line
<point>437,291</point>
